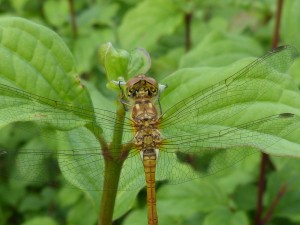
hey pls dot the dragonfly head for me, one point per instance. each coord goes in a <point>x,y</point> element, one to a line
<point>141,86</point>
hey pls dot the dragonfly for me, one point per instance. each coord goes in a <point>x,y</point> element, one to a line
<point>154,141</point>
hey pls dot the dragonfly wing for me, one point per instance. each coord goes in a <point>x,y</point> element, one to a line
<point>228,97</point>
<point>18,105</point>
<point>176,167</point>
<point>217,147</point>
<point>75,154</point>
<point>42,158</point>
<point>132,174</point>
<point>75,137</point>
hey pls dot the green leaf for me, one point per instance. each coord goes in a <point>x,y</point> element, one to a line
<point>18,5</point>
<point>56,12</point>
<point>33,54</point>
<point>68,197</point>
<point>279,95</point>
<point>286,174</point>
<point>120,63</point>
<point>12,193</point>
<point>290,30</point>
<point>167,63</point>
<point>38,168</point>
<point>85,48</point>
<point>124,202</point>
<point>83,207</point>
<point>99,13</point>
<point>190,197</point>
<point>101,99</point>
<point>140,62</point>
<point>220,49</point>
<point>20,135</point>
<point>41,220</point>
<point>295,71</point>
<point>32,202</point>
<point>180,203</point>
<point>137,217</point>
<point>34,59</point>
<point>78,171</point>
<point>115,61</point>
<point>147,22</point>
<point>241,171</point>
<point>226,217</point>
<point>48,194</point>
<point>244,197</point>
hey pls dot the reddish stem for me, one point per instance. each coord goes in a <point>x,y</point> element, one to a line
<point>73,18</point>
<point>261,188</point>
<point>274,203</point>
<point>187,20</point>
<point>265,157</point>
<point>277,24</point>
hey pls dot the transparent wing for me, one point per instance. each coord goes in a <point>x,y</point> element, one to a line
<point>18,105</point>
<point>196,153</point>
<point>62,138</point>
<point>81,167</point>
<point>197,141</point>
<point>247,85</point>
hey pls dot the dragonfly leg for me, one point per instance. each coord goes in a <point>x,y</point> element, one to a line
<point>161,88</point>
<point>125,104</point>
<point>122,99</point>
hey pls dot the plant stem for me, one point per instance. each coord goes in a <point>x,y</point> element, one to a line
<point>113,166</point>
<point>187,20</point>
<point>265,157</point>
<point>274,203</point>
<point>277,24</point>
<point>261,188</point>
<point>73,18</point>
<point>110,188</point>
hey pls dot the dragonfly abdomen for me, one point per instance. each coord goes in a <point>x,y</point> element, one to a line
<point>149,161</point>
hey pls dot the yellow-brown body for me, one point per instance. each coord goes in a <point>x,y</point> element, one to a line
<point>143,91</point>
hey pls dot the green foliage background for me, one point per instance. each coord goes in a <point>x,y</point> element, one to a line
<point>222,33</point>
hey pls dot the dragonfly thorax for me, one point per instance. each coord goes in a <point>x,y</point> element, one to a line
<point>144,115</point>
<point>142,90</point>
<point>144,112</point>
